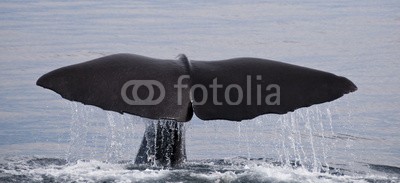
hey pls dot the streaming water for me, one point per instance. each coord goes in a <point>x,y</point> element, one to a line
<point>303,148</point>
<point>111,140</point>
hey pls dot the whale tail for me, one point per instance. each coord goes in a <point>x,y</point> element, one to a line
<point>234,89</point>
<point>170,91</point>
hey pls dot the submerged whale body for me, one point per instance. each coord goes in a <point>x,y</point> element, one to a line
<point>172,90</point>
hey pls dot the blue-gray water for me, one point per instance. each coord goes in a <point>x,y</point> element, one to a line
<point>46,138</point>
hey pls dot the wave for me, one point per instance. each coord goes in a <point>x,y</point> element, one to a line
<point>237,169</point>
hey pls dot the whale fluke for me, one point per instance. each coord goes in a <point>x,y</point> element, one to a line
<point>170,91</point>
<point>234,89</point>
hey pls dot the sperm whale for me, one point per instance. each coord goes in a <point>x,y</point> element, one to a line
<point>171,91</point>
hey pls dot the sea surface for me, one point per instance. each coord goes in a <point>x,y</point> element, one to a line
<point>44,138</point>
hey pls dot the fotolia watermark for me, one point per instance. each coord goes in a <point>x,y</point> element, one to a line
<point>133,86</point>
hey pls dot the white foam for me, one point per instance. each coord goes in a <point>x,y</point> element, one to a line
<point>91,171</point>
<point>216,176</point>
<point>286,174</point>
<point>264,172</point>
<point>269,173</point>
<point>255,171</point>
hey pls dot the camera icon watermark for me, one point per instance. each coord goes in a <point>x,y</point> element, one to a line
<point>149,100</point>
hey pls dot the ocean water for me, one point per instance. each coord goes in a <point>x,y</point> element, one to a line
<point>44,138</point>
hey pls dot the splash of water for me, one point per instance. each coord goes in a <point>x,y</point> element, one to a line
<point>304,140</point>
<point>301,137</point>
<point>103,136</point>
